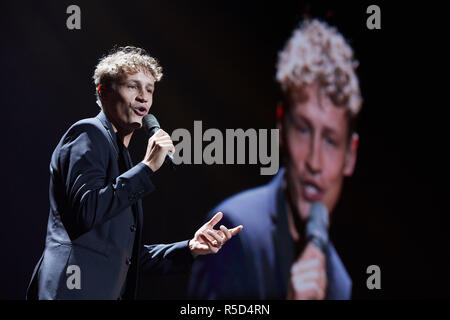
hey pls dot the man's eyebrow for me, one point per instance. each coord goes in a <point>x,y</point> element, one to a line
<point>301,118</point>
<point>332,131</point>
<point>137,81</point>
<point>327,129</point>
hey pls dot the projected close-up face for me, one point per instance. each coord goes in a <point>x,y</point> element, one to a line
<point>319,153</point>
<point>129,100</point>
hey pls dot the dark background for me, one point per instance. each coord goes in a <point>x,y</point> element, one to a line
<point>219,67</point>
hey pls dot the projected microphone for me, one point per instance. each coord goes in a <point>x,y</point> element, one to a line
<point>317,226</point>
<point>151,125</point>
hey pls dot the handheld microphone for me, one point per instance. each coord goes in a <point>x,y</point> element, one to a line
<point>151,125</point>
<point>317,226</point>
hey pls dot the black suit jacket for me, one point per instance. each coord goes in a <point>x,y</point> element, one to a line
<point>95,221</point>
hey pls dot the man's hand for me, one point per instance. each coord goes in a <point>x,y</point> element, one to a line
<point>308,276</point>
<point>158,146</point>
<point>208,240</point>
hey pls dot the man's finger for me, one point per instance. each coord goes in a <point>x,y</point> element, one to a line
<point>217,217</point>
<point>226,232</point>
<point>218,238</point>
<point>309,290</point>
<point>304,265</point>
<point>221,234</point>
<point>163,139</point>
<point>313,294</point>
<point>211,247</point>
<point>323,280</point>
<point>308,275</point>
<point>202,247</point>
<point>158,133</point>
<point>166,146</point>
<point>234,231</point>
<point>208,239</point>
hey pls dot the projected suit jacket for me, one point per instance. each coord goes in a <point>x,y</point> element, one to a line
<point>256,263</point>
<point>93,245</point>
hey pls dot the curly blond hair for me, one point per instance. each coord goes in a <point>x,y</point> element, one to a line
<point>123,60</point>
<point>317,52</point>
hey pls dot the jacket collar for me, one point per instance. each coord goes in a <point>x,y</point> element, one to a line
<point>108,126</point>
<point>282,240</point>
<point>276,191</point>
<point>104,120</point>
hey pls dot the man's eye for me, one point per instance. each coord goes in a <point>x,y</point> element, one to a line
<point>149,91</point>
<point>132,87</point>
<point>302,130</point>
<point>330,142</point>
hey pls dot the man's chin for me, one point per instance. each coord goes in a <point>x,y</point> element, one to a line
<point>136,124</point>
<point>303,208</point>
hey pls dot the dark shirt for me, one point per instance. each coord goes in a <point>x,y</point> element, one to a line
<point>125,163</point>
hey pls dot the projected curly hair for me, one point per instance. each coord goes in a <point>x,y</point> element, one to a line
<point>318,52</point>
<point>122,60</point>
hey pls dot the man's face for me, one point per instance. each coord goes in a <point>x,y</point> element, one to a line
<point>128,100</point>
<point>319,153</point>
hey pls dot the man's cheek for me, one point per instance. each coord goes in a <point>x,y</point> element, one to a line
<point>297,154</point>
<point>333,190</point>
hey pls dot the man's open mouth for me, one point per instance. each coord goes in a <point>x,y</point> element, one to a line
<point>140,111</point>
<point>311,191</point>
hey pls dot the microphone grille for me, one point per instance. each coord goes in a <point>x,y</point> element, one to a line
<point>319,214</point>
<point>150,124</point>
<point>317,225</point>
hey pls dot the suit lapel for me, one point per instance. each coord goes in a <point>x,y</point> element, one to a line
<point>113,141</point>
<point>282,241</point>
<point>284,245</point>
<point>109,131</point>
<point>138,204</point>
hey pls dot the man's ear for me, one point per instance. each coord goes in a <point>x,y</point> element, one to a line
<point>351,155</point>
<point>101,92</point>
<point>104,92</point>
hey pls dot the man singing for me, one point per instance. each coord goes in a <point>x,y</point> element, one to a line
<point>93,245</point>
<point>275,259</point>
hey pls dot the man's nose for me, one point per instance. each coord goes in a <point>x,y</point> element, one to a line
<point>314,158</point>
<point>141,97</point>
